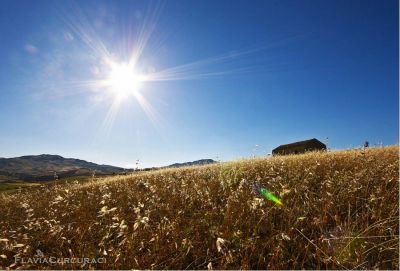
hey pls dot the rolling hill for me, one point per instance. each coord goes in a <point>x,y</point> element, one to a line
<point>42,168</point>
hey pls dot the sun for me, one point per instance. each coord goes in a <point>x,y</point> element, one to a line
<point>124,80</point>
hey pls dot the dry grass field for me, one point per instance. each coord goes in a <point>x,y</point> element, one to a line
<point>341,211</point>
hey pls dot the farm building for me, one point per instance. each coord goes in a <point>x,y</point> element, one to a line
<point>299,147</point>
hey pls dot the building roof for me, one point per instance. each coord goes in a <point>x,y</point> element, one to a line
<point>300,143</point>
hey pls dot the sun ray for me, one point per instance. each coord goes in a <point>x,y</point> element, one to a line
<point>148,109</point>
<point>203,68</point>
<point>80,26</point>
<point>146,31</point>
<point>122,76</point>
<point>108,121</point>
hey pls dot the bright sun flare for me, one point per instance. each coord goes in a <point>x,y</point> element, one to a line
<point>124,80</point>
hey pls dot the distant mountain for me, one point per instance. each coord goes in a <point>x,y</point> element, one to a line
<point>194,163</point>
<point>42,168</point>
<point>186,164</point>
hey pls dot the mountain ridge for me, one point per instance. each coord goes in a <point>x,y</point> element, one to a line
<point>45,167</point>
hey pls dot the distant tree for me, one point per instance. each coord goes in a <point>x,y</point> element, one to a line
<point>366,144</point>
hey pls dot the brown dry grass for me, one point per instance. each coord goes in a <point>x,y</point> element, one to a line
<point>341,212</point>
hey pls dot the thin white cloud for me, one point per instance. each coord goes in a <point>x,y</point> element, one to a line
<point>68,36</point>
<point>30,48</point>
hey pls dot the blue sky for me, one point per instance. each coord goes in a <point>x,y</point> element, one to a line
<point>225,76</point>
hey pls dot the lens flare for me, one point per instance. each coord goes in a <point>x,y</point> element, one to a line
<point>262,191</point>
<point>268,195</point>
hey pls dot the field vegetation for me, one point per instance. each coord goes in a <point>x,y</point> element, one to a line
<point>341,211</point>
<point>16,185</point>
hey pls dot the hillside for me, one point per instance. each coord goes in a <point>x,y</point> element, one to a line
<point>194,163</point>
<point>341,211</point>
<point>42,167</point>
